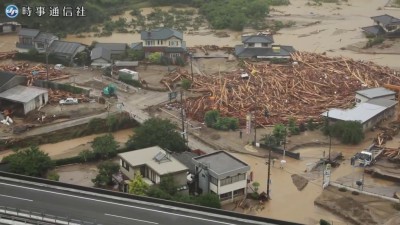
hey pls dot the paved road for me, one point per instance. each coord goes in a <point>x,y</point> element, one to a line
<point>101,209</point>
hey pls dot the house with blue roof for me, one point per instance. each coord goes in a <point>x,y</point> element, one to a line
<point>167,41</point>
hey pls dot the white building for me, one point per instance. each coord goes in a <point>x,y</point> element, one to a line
<point>374,93</point>
<point>152,163</point>
<point>222,174</point>
<point>26,98</point>
<point>128,74</point>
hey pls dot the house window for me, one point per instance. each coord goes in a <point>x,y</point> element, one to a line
<point>233,179</point>
<point>174,55</point>
<point>225,196</point>
<point>40,45</point>
<point>226,181</point>
<point>213,180</point>
<point>149,43</point>
<point>125,165</point>
<point>238,192</point>
<point>171,43</point>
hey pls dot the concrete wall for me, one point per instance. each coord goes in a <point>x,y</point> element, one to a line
<point>35,103</point>
<point>204,182</point>
<point>130,173</point>
<point>378,118</point>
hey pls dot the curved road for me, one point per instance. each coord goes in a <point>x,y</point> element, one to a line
<point>102,209</point>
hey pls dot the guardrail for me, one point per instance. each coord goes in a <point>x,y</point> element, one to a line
<point>147,199</point>
<point>30,217</point>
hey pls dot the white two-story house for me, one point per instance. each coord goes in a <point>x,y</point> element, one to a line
<point>167,41</point>
<point>153,164</point>
<point>222,174</point>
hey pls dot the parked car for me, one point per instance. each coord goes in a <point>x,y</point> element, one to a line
<point>69,101</point>
<point>59,67</point>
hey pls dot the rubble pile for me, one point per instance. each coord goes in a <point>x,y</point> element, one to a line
<point>56,95</point>
<point>206,48</point>
<point>304,89</point>
<point>34,72</point>
<point>7,55</point>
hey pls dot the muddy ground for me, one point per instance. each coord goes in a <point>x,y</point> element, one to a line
<point>359,209</point>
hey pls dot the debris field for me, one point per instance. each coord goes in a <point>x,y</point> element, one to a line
<point>304,89</point>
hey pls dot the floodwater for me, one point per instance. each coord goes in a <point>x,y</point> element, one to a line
<point>7,42</point>
<point>72,147</point>
<point>287,202</point>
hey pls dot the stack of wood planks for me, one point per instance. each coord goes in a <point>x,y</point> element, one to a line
<point>301,90</point>
<point>7,55</point>
<point>34,72</point>
<point>56,95</point>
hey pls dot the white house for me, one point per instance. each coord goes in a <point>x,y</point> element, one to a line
<point>374,93</point>
<point>222,174</point>
<point>152,163</point>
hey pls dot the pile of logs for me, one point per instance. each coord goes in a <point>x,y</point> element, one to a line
<point>56,95</point>
<point>7,55</point>
<point>302,90</point>
<point>391,153</point>
<point>206,48</point>
<point>34,72</point>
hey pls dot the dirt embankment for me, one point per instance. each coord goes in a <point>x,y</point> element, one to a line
<point>358,209</point>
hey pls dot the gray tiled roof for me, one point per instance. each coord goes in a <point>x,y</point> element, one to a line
<point>160,34</point>
<point>100,52</point>
<point>383,102</point>
<point>22,93</point>
<point>137,46</point>
<point>113,46</point>
<point>362,112</point>
<point>374,30</point>
<point>386,20</point>
<point>64,47</point>
<point>242,52</point>
<point>221,164</point>
<point>257,39</point>
<point>375,92</point>
<point>42,37</point>
<point>5,77</point>
<point>28,32</point>
<point>186,159</point>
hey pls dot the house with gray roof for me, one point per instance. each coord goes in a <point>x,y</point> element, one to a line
<point>368,113</point>
<point>384,25</point>
<point>65,50</point>
<point>366,95</point>
<point>153,164</point>
<point>116,49</point>
<point>101,57</point>
<point>24,99</point>
<point>9,27</point>
<point>261,46</point>
<point>222,174</point>
<point>34,39</point>
<point>167,41</point>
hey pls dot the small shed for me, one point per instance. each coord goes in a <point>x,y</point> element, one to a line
<point>26,98</point>
<point>374,93</point>
<point>128,74</point>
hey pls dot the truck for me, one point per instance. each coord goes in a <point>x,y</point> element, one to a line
<point>109,91</point>
<point>366,157</point>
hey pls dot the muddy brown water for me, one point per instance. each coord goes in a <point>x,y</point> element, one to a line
<point>72,147</point>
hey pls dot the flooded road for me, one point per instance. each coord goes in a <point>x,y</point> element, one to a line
<point>72,147</point>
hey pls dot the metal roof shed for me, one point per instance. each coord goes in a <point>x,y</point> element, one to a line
<point>30,97</point>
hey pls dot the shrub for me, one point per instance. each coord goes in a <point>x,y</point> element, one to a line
<point>324,222</point>
<point>348,132</point>
<point>271,141</point>
<point>211,117</point>
<point>179,61</point>
<point>53,175</point>
<point>185,84</point>
<point>226,123</point>
<point>374,41</point>
<point>342,189</point>
<point>278,2</point>
<point>310,124</point>
<point>155,57</point>
<point>355,193</point>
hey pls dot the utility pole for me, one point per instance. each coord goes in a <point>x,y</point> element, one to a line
<point>330,138</point>
<point>269,172</point>
<point>182,116</point>
<point>47,59</point>
<point>284,143</point>
<point>191,65</point>
<point>255,129</point>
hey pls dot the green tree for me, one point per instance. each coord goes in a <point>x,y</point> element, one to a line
<point>106,170</point>
<point>293,128</point>
<point>137,186</point>
<point>348,132</point>
<point>208,200</point>
<point>31,162</point>
<point>324,222</point>
<point>105,146</point>
<point>279,132</point>
<point>156,131</point>
<point>256,185</point>
<point>310,124</point>
<point>53,175</point>
<point>186,84</point>
<point>167,184</point>
<point>87,155</point>
<point>155,57</point>
<point>211,117</point>
<point>135,54</point>
<point>270,140</point>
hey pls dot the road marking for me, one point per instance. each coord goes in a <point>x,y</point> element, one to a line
<point>119,204</point>
<point>24,199</point>
<point>127,218</point>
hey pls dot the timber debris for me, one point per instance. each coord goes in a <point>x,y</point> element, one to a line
<point>304,89</point>
<point>7,55</point>
<point>34,72</point>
